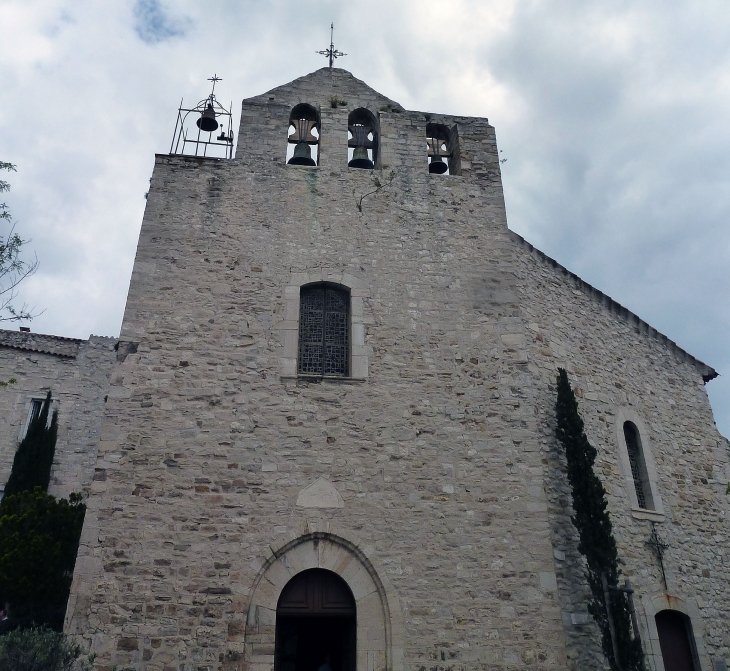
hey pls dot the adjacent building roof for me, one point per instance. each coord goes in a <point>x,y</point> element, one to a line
<point>40,342</point>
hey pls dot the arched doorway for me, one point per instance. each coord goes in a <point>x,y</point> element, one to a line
<point>675,640</point>
<point>315,624</point>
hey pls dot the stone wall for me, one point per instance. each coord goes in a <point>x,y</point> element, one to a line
<point>205,448</point>
<point>621,369</point>
<point>77,374</point>
<point>430,480</point>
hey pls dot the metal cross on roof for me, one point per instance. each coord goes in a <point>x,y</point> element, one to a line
<point>659,546</point>
<point>331,53</point>
<point>214,79</point>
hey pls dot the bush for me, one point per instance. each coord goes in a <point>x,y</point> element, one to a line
<point>39,539</point>
<point>40,650</point>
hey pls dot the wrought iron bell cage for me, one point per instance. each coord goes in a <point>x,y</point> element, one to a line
<point>200,138</point>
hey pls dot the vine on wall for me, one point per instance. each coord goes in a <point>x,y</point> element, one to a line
<point>595,531</point>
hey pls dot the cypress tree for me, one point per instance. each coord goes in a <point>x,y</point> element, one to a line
<point>34,457</point>
<point>595,531</point>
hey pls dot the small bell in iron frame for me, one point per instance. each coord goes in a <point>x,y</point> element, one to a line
<point>207,122</point>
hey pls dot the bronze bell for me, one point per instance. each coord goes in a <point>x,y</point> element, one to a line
<point>303,137</point>
<point>207,122</point>
<point>437,166</point>
<point>360,158</point>
<point>302,155</point>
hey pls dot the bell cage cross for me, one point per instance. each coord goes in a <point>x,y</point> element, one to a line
<point>331,53</point>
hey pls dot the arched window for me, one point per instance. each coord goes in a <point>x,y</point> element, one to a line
<point>440,149</point>
<point>315,623</point>
<point>303,140</point>
<point>363,139</point>
<point>638,466</point>
<point>676,641</point>
<point>324,338</point>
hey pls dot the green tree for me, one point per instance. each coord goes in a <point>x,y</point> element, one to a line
<point>34,456</point>
<point>39,539</point>
<point>40,649</point>
<point>595,531</point>
<point>13,267</point>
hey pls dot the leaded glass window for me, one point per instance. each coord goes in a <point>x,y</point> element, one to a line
<point>324,331</point>
<point>638,468</point>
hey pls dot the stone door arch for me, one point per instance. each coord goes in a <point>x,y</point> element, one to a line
<point>379,624</point>
<point>666,603</point>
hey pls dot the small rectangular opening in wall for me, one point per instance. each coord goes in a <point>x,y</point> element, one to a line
<point>34,410</point>
<point>442,145</point>
<point>36,405</point>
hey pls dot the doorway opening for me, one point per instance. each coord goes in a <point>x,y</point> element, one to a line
<point>676,640</point>
<point>315,624</point>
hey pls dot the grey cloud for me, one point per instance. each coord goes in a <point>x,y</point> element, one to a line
<point>153,24</point>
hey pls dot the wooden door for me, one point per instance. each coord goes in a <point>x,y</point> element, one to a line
<point>315,624</point>
<point>675,640</point>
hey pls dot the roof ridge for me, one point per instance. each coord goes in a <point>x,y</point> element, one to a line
<point>708,372</point>
<point>30,334</point>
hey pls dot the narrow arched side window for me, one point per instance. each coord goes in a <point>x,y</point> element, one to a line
<point>324,337</point>
<point>362,127</point>
<point>303,139</point>
<point>638,466</point>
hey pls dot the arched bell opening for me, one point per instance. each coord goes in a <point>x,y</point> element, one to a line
<point>303,138</point>
<point>676,641</point>
<point>440,148</point>
<point>362,143</point>
<point>316,624</point>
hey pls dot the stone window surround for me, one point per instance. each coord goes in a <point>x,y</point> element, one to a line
<point>289,327</point>
<point>624,415</point>
<point>659,602</point>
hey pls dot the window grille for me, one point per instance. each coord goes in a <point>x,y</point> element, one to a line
<point>324,331</point>
<point>633,447</point>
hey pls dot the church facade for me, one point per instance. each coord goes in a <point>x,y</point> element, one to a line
<point>328,437</point>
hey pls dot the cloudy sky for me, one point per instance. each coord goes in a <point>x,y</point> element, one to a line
<point>613,118</point>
